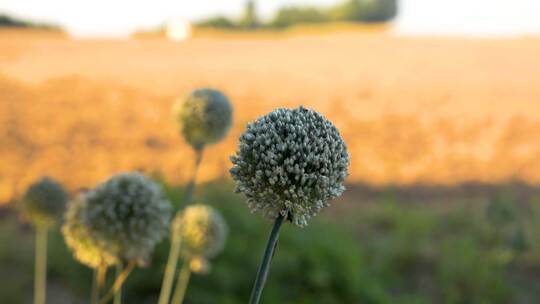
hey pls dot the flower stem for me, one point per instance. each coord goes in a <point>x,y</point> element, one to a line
<point>181,284</point>
<point>40,275</point>
<point>191,185</point>
<point>117,285</point>
<point>118,294</point>
<point>170,270</point>
<point>174,251</point>
<point>101,276</point>
<point>95,287</point>
<point>264,268</point>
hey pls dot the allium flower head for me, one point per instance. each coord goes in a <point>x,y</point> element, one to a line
<point>127,216</point>
<point>202,231</point>
<point>44,202</point>
<point>79,239</point>
<point>290,162</point>
<point>200,265</point>
<point>205,117</point>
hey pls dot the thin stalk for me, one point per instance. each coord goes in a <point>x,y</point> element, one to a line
<point>181,284</point>
<point>120,279</point>
<point>191,185</point>
<point>174,251</point>
<point>101,276</point>
<point>95,287</point>
<point>118,294</point>
<point>170,269</point>
<point>264,268</point>
<point>40,275</point>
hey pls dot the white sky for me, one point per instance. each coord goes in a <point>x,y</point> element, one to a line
<point>121,17</point>
<point>470,17</point>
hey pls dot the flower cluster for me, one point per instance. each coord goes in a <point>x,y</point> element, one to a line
<point>44,202</point>
<point>205,117</point>
<point>202,231</point>
<point>124,218</point>
<point>77,237</point>
<point>290,162</point>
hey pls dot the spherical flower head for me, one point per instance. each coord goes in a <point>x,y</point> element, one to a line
<point>200,265</point>
<point>79,239</point>
<point>44,202</point>
<point>205,117</point>
<point>290,162</point>
<point>202,231</point>
<point>127,216</point>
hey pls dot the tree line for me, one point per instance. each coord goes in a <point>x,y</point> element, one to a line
<point>365,11</point>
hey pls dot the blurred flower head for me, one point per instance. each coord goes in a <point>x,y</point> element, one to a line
<point>290,162</point>
<point>205,117</point>
<point>200,265</point>
<point>127,216</point>
<point>78,238</point>
<point>44,202</point>
<point>202,232</point>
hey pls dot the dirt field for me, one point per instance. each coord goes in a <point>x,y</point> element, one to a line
<point>412,110</point>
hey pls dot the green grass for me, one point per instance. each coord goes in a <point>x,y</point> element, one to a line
<point>388,251</point>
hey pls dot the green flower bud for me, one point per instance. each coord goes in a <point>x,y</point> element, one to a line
<point>205,117</point>
<point>202,231</point>
<point>44,202</point>
<point>290,162</point>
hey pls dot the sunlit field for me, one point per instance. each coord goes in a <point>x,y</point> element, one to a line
<point>430,110</point>
<point>443,133</point>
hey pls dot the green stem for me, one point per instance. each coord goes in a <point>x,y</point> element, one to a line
<point>40,275</point>
<point>117,285</point>
<point>182,283</point>
<point>95,287</point>
<point>264,268</point>
<point>174,251</point>
<point>101,276</point>
<point>170,270</point>
<point>118,294</point>
<point>191,185</point>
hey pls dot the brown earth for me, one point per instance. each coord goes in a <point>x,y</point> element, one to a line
<point>412,110</point>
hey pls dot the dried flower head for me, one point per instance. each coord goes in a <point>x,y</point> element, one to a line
<point>205,117</point>
<point>79,239</point>
<point>202,231</point>
<point>44,202</point>
<point>290,162</point>
<point>127,216</point>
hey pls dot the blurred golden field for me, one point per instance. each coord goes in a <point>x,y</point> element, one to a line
<point>412,110</point>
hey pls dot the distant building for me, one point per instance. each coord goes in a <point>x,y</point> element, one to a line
<point>178,30</point>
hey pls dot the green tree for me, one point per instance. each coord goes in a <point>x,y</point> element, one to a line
<point>293,15</point>
<point>8,21</point>
<point>250,20</point>
<point>366,10</point>
<point>217,22</point>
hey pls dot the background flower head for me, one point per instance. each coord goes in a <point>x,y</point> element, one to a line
<point>202,231</point>
<point>290,162</point>
<point>127,216</point>
<point>78,238</point>
<point>205,117</point>
<point>44,202</point>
